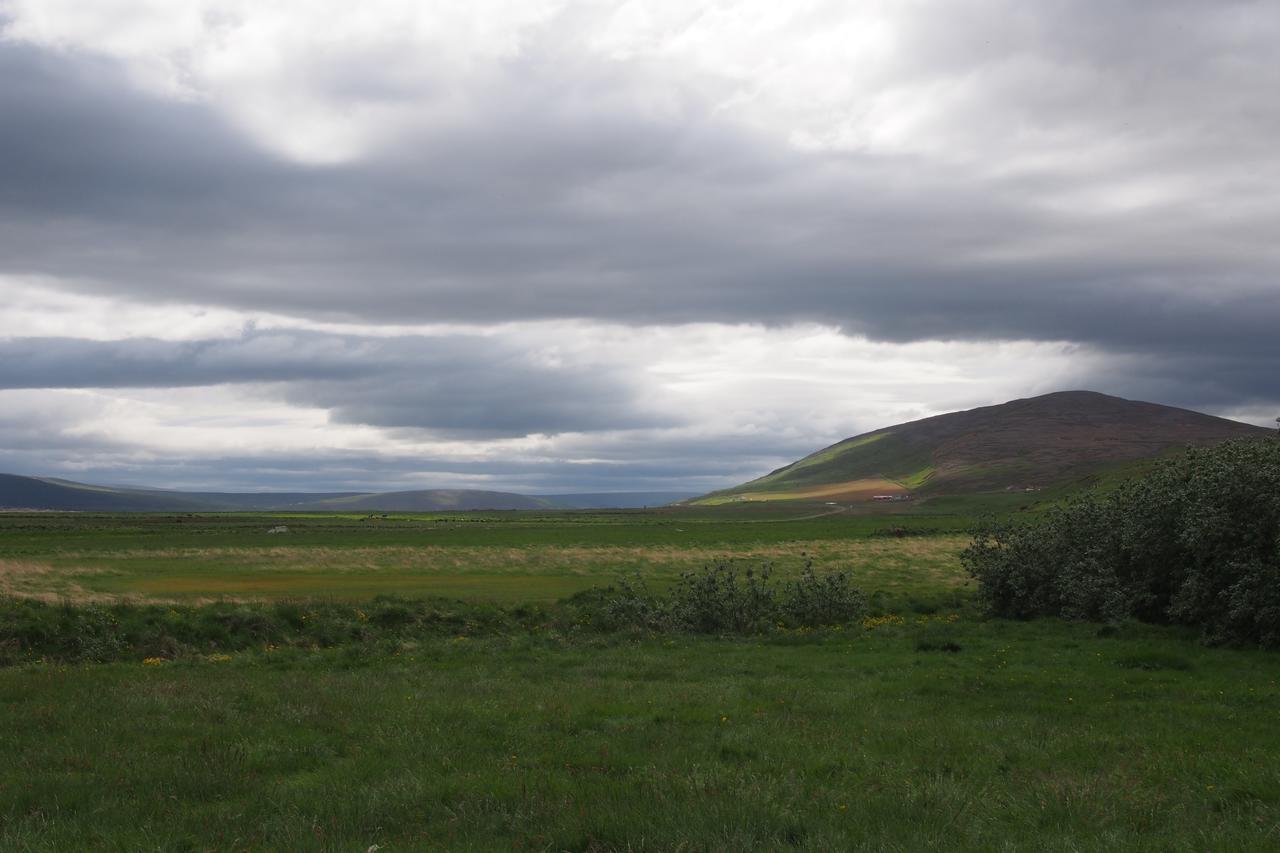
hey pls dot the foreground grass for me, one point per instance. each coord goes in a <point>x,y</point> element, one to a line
<point>502,719</point>
<point>1025,736</point>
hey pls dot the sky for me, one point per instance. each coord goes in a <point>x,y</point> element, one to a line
<point>552,246</point>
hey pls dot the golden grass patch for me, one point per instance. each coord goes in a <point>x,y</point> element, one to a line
<point>849,490</point>
<point>31,579</point>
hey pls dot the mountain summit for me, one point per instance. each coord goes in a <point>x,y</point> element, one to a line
<point>1020,444</point>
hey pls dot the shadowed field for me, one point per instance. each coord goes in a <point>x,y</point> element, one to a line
<point>1034,736</point>
<point>921,725</point>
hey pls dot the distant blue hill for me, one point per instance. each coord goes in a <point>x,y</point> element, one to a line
<point>47,493</point>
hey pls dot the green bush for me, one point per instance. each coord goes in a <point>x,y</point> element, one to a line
<point>630,604</point>
<point>829,599</point>
<point>713,601</point>
<point>720,599</point>
<point>1196,543</point>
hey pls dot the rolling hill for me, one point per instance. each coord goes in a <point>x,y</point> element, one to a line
<point>18,492</point>
<point>43,493</point>
<point>1022,444</point>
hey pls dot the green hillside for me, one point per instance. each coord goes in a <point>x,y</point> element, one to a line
<point>1021,445</point>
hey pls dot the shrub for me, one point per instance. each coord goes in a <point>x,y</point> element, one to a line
<point>1196,542</point>
<point>720,599</point>
<point>631,604</point>
<point>712,600</point>
<point>830,599</point>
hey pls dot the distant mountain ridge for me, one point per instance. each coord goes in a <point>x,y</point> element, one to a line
<point>1022,444</point>
<point>48,493</point>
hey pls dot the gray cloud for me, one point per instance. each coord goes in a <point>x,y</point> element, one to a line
<point>639,463</point>
<point>1103,175</point>
<point>537,204</point>
<point>152,363</point>
<point>459,385</point>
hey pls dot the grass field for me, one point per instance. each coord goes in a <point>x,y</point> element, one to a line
<point>920,727</point>
<point>1030,737</point>
<point>508,557</point>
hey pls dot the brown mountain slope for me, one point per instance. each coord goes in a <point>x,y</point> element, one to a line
<point>1022,443</point>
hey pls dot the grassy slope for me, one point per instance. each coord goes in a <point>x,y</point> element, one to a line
<point>1033,736</point>
<point>876,456</point>
<point>1050,440</point>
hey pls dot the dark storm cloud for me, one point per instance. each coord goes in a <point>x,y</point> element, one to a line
<point>466,385</point>
<point>1022,216</point>
<point>1214,383</point>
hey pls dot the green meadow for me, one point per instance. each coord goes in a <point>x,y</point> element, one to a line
<point>509,557</point>
<point>522,724</point>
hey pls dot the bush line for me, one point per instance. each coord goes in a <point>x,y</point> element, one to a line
<point>714,600</point>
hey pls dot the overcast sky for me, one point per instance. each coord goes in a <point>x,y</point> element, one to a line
<point>595,246</point>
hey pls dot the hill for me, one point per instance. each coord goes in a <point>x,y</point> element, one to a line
<point>616,500</point>
<point>1022,444</point>
<point>45,493</point>
<point>33,493</point>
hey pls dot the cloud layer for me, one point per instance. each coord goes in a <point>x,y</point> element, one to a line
<point>474,224</point>
<point>465,385</point>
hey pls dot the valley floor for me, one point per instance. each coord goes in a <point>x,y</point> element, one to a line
<point>922,726</point>
<point>512,558</point>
